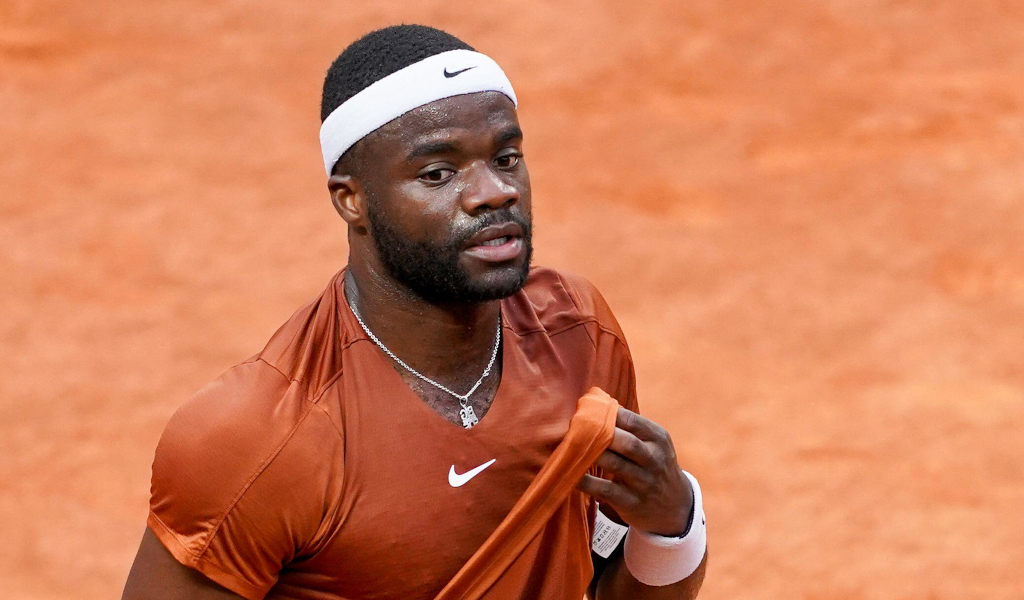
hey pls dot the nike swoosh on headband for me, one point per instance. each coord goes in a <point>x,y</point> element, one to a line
<point>454,73</point>
<point>455,480</point>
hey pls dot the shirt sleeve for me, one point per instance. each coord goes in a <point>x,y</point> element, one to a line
<point>236,493</point>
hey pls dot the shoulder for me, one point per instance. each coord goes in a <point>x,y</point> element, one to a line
<point>554,301</point>
<point>234,432</point>
<point>243,474</point>
<point>240,421</point>
<point>573,314</point>
<point>248,410</point>
<point>309,347</point>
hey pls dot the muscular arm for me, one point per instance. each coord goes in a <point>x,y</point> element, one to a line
<point>156,575</point>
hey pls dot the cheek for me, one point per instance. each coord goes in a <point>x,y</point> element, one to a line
<point>458,187</point>
<point>522,183</point>
<point>422,212</point>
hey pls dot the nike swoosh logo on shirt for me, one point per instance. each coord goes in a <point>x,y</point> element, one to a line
<point>456,480</point>
<point>454,73</point>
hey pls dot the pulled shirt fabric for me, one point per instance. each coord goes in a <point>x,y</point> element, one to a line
<point>312,471</point>
<point>590,432</point>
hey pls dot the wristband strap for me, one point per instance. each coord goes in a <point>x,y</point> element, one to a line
<point>657,560</point>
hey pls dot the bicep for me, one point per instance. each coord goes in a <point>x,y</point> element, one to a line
<point>157,575</point>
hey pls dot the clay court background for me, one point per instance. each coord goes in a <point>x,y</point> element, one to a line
<point>807,216</point>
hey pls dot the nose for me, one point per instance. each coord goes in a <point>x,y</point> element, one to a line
<point>486,188</point>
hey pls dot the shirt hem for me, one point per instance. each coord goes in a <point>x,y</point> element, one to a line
<point>182,554</point>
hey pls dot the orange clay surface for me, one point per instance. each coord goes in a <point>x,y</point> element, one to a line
<point>807,216</point>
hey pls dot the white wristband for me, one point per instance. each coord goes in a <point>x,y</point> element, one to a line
<point>657,560</point>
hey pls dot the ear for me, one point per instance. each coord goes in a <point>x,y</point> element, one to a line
<point>348,199</point>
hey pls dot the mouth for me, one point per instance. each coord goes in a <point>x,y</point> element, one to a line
<point>497,243</point>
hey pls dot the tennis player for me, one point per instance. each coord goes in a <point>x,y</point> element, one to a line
<point>389,425</point>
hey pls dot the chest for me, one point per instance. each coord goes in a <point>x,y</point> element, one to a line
<point>421,503</point>
<point>453,409</point>
<point>422,493</point>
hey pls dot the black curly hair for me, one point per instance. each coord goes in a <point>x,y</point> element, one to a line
<point>379,54</point>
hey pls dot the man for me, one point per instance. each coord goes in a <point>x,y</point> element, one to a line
<point>390,425</point>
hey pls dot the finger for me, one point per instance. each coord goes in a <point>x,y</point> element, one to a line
<point>640,426</point>
<point>632,448</point>
<point>609,492</point>
<point>626,471</point>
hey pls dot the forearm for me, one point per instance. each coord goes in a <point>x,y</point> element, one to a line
<point>617,583</point>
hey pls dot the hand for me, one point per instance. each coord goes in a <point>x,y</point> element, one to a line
<point>647,488</point>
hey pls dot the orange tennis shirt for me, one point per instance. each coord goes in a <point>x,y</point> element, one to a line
<point>312,471</point>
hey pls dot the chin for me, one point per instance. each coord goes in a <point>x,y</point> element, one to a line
<point>498,283</point>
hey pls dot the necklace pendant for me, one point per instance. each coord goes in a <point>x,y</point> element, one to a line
<point>469,418</point>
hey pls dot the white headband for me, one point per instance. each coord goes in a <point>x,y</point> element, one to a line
<point>443,75</point>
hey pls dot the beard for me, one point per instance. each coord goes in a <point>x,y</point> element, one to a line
<point>432,269</point>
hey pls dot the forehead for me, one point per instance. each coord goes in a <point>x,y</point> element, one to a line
<point>482,113</point>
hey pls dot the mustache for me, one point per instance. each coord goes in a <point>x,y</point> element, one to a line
<point>501,216</point>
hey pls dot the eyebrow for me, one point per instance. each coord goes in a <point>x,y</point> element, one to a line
<point>438,147</point>
<point>445,147</point>
<point>508,134</point>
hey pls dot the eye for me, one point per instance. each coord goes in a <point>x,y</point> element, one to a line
<point>507,161</point>
<point>438,175</point>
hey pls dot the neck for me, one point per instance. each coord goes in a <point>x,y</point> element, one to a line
<point>439,340</point>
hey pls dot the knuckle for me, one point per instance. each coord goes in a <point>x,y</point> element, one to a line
<point>652,488</point>
<point>598,491</point>
<point>633,501</point>
<point>649,484</point>
<point>658,455</point>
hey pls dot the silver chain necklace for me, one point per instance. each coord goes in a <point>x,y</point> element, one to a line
<point>467,414</point>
